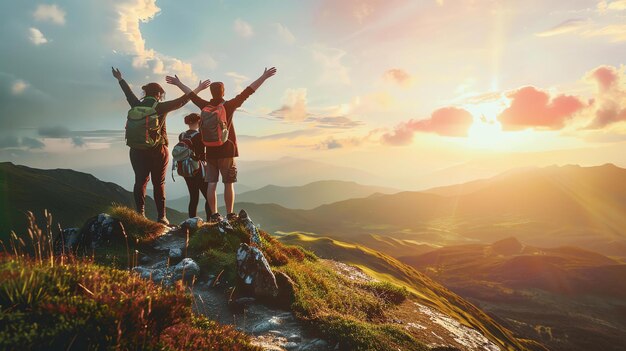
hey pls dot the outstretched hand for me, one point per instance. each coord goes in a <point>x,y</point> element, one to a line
<point>116,73</point>
<point>203,85</point>
<point>269,72</point>
<point>173,80</point>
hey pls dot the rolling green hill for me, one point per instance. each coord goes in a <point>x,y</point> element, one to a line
<point>70,196</point>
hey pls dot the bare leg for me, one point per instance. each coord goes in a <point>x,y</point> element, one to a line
<point>229,197</point>
<point>212,196</point>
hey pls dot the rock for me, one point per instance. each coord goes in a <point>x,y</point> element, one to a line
<point>266,326</point>
<point>224,226</point>
<point>255,272</point>
<point>145,259</point>
<point>314,345</point>
<point>294,338</point>
<point>101,229</point>
<point>245,219</point>
<point>68,241</point>
<point>290,346</point>
<point>191,224</point>
<point>175,252</point>
<point>286,290</point>
<point>186,270</point>
<point>162,273</point>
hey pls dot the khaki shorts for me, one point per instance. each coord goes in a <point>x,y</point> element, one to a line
<point>226,166</point>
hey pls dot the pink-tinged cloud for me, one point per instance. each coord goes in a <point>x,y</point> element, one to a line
<point>447,121</point>
<point>606,77</point>
<point>606,116</point>
<point>398,76</point>
<point>533,108</point>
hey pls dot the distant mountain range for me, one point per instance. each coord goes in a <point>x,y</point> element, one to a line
<point>306,196</point>
<point>576,296</point>
<point>552,206</point>
<point>71,197</point>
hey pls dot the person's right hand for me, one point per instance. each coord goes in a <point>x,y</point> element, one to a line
<point>269,72</point>
<point>203,85</point>
<point>116,73</point>
<point>173,80</point>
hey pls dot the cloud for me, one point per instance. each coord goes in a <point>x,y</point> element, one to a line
<point>333,70</point>
<point>32,143</point>
<point>18,87</point>
<point>447,121</point>
<point>341,122</point>
<point>284,33</point>
<point>571,25</point>
<point>243,28</point>
<point>533,108</point>
<point>607,77</point>
<point>78,141</point>
<point>54,132</point>
<point>9,141</point>
<point>332,142</point>
<point>399,77</point>
<point>133,12</point>
<point>294,106</point>
<point>239,79</point>
<point>617,5</point>
<point>36,36</point>
<point>49,13</point>
<point>615,32</point>
<point>610,100</point>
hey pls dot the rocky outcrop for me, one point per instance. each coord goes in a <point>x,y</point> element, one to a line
<point>97,232</point>
<point>162,273</point>
<point>191,224</point>
<point>245,219</point>
<point>254,272</point>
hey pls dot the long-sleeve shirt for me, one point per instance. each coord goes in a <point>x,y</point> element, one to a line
<point>162,108</point>
<point>229,149</point>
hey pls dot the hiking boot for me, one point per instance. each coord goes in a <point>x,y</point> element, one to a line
<point>231,217</point>
<point>215,218</point>
<point>164,221</point>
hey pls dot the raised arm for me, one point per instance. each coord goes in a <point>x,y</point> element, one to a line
<point>192,94</point>
<point>130,96</point>
<point>266,74</point>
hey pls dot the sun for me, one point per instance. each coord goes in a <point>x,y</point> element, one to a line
<point>486,130</point>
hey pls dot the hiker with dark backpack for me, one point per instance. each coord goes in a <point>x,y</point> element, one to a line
<point>189,163</point>
<point>218,135</point>
<point>146,135</point>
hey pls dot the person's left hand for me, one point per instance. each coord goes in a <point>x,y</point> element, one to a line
<point>269,72</point>
<point>116,73</point>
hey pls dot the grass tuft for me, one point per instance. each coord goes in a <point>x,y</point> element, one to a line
<point>139,228</point>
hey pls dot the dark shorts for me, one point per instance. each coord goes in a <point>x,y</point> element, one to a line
<point>226,166</point>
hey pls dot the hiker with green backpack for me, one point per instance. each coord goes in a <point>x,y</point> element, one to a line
<point>146,135</point>
<point>218,136</point>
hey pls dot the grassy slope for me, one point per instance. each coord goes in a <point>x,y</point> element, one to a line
<point>71,196</point>
<point>428,292</point>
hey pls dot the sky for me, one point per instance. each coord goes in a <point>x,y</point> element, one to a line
<point>417,93</point>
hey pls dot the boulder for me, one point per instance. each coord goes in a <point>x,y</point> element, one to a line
<point>245,219</point>
<point>254,271</point>
<point>101,229</point>
<point>191,224</point>
<point>224,226</point>
<point>186,269</point>
<point>286,290</point>
<point>68,241</point>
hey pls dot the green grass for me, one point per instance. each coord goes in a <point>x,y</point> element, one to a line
<point>138,228</point>
<point>84,306</point>
<point>69,303</point>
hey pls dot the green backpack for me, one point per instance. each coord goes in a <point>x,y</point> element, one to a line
<point>143,130</point>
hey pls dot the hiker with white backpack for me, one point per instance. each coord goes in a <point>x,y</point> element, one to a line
<point>146,135</point>
<point>188,160</point>
<point>218,135</point>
